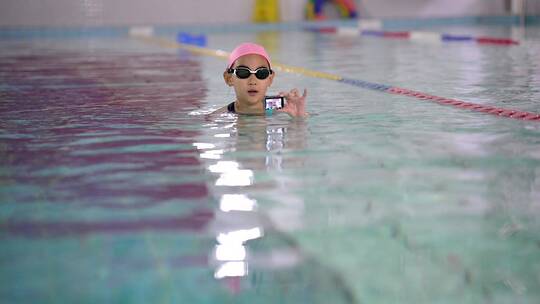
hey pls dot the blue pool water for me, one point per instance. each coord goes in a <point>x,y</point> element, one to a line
<point>117,187</point>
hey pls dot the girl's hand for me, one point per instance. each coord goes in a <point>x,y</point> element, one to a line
<point>296,104</point>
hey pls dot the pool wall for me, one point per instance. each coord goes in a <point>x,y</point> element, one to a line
<point>21,32</point>
<point>66,13</point>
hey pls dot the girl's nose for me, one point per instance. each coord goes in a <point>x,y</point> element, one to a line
<point>252,78</point>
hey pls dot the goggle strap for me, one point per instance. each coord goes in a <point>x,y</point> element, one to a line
<point>231,70</point>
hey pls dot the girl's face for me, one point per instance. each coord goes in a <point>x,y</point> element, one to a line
<point>251,90</point>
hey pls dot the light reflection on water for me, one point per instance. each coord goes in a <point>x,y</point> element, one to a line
<point>232,253</point>
<point>250,241</point>
<point>238,202</point>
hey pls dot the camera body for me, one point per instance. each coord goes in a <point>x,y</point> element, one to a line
<point>273,102</point>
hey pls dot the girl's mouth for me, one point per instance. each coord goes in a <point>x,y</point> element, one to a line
<point>252,92</point>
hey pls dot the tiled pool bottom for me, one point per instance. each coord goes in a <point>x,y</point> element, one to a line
<point>114,191</point>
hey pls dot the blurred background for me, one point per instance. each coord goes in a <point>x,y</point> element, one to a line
<point>53,13</point>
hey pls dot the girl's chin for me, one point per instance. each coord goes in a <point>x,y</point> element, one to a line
<point>253,99</point>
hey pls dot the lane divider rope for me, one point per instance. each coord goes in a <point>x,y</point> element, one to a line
<point>433,36</point>
<point>375,28</point>
<point>460,104</point>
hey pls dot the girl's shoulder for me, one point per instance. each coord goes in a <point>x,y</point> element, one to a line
<point>225,109</point>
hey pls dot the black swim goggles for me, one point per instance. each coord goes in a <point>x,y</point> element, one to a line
<point>244,73</point>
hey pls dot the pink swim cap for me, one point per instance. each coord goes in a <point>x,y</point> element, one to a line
<point>247,49</point>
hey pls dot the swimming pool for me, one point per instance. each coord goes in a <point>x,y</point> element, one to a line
<point>117,187</point>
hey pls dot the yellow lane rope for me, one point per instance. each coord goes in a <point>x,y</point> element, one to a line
<point>222,54</point>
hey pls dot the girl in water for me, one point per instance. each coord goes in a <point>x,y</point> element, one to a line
<point>249,72</point>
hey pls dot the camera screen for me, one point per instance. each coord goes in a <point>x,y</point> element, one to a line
<point>274,103</point>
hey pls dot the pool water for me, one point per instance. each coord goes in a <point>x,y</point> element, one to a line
<point>116,186</point>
